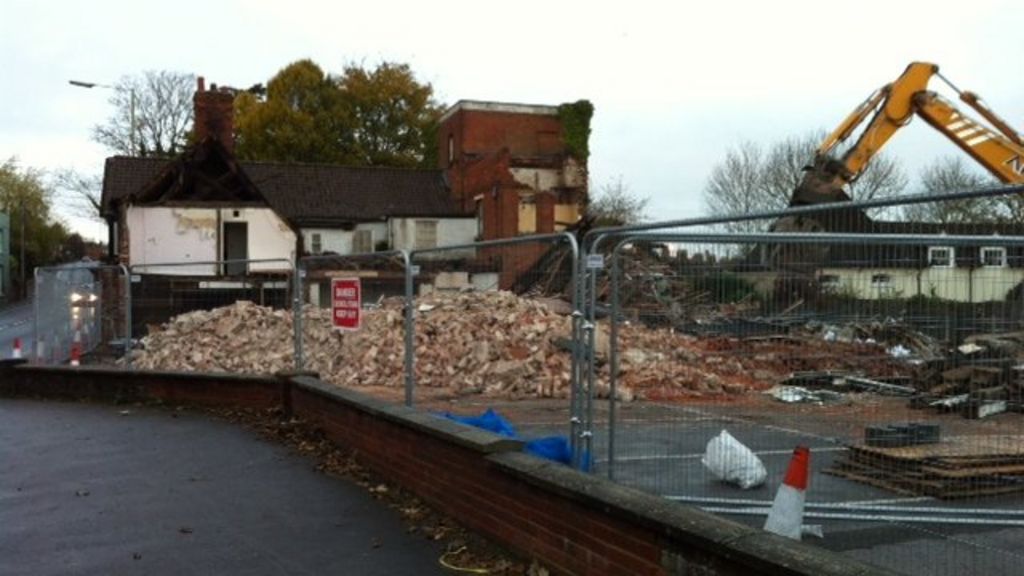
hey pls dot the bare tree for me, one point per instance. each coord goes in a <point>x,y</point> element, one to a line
<point>615,205</point>
<point>742,184</point>
<point>81,192</point>
<point>751,179</point>
<point>951,174</point>
<point>160,103</point>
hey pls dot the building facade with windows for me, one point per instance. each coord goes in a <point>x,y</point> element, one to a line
<point>206,205</point>
<point>989,272</point>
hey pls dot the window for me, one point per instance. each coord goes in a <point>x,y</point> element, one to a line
<point>362,242</point>
<point>451,149</point>
<point>425,234</point>
<point>941,257</point>
<point>316,243</point>
<point>828,282</point>
<point>881,282</point>
<point>993,257</point>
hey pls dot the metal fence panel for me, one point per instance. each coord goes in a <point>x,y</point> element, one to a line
<point>81,311</point>
<point>496,326</point>
<point>375,357</point>
<point>217,316</point>
<point>895,358</point>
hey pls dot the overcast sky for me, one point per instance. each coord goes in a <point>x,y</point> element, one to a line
<point>674,84</point>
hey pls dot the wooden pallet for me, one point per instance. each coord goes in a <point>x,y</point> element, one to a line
<point>957,467</point>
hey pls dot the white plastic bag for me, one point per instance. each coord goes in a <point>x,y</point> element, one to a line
<point>729,460</point>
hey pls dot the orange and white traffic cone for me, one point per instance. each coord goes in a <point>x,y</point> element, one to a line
<point>76,354</point>
<point>787,513</point>
<point>16,349</point>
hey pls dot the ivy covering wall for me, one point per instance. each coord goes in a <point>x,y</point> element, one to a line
<point>575,118</point>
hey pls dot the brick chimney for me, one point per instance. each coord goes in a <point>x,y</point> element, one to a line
<point>214,114</point>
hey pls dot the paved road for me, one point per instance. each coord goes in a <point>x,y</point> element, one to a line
<point>86,490</point>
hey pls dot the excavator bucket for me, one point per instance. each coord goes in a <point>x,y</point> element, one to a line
<point>821,184</point>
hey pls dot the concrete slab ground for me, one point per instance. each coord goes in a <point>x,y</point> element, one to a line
<point>85,489</point>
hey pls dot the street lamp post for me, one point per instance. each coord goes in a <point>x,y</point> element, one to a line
<point>132,136</point>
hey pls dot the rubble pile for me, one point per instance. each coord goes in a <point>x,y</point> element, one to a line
<point>492,343</point>
<point>244,338</point>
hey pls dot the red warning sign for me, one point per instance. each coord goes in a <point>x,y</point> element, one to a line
<point>346,303</point>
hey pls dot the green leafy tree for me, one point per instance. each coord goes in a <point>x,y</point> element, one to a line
<point>393,117</point>
<point>26,198</point>
<point>369,117</point>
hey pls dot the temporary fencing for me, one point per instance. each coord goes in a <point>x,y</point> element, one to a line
<point>353,324</point>
<point>79,309</point>
<point>498,319</point>
<point>890,349</point>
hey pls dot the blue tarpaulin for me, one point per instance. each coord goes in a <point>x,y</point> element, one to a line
<point>489,420</point>
<point>554,448</point>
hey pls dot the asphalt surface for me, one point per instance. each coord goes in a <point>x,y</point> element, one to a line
<point>85,489</point>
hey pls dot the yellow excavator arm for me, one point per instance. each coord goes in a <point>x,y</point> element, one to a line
<point>890,108</point>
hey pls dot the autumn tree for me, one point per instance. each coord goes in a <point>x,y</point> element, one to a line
<point>393,117</point>
<point>160,104</point>
<point>26,198</point>
<point>369,117</point>
<point>300,119</point>
<point>753,179</point>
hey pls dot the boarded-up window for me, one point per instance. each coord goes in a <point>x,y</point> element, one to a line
<point>425,234</point>
<point>362,242</point>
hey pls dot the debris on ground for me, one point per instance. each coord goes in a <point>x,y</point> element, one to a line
<point>974,390</point>
<point>499,345</point>
<point>799,394</point>
<point>897,339</point>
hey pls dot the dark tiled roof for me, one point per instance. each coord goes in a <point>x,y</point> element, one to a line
<point>312,194</point>
<point>124,175</point>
